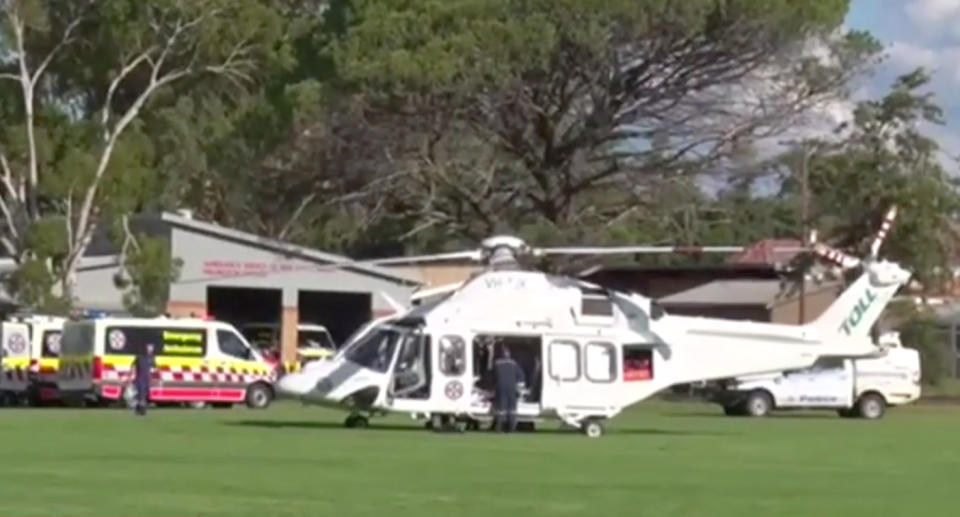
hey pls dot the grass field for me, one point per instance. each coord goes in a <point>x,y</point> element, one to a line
<point>661,460</point>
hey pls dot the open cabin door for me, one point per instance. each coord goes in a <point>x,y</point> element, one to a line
<point>409,386</point>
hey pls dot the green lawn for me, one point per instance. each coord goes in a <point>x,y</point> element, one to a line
<point>660,460</point>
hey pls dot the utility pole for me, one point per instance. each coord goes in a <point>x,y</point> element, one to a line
<point>804,230</point>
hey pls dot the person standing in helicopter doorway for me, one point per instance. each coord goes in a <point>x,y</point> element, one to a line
<point>508,376</point>
<point>143,369</point>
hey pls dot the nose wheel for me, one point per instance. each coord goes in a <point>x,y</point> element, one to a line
<point>355,421</point>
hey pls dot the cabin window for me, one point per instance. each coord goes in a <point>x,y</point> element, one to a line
<point>452,356</point>
<point>601,359</point>
<point>637,363</point>
<point>596,306</point>
<point>51,344</point>
<point>564,361</point>
<point>232,345</point>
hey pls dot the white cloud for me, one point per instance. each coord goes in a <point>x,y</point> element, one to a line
<point>936,15</point>
<point>944,61</point>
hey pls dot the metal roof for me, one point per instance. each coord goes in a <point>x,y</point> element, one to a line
<point>728,292</point>
<point>284,247</point>
<point>766,292</point>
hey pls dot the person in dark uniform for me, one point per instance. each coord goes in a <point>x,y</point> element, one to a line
<point>143,367</point>
<point>507,376</point>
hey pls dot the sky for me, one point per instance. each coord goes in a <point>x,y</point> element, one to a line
<point>917,33</point>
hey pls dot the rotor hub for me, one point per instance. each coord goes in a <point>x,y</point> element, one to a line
<point>504,251</point>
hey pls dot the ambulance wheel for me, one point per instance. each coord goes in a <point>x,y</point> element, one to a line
<point>592,428</point>
<point>871,406</point>
<point>356,421</point>
<point>758,404</point>
<point>733,410</point>
<point>259,396</point>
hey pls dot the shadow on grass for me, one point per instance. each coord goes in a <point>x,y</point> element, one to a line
<point>374,426</point>
<point>823,415</point>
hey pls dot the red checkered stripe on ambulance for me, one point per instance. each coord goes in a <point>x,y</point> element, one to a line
<point>216,374</point>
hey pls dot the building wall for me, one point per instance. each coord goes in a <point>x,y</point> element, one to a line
<point>816,303</point>
<point>96,290</point>
<point>211,261</point>
<point>434,275</point>
<point>733,312</point>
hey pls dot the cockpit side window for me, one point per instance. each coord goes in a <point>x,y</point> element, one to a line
<point>374,350</point>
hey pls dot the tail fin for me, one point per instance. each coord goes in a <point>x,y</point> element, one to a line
<point>856,310</point>
<point>859,307</point>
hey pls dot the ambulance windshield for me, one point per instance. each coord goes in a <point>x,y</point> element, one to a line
<point>375,349</point>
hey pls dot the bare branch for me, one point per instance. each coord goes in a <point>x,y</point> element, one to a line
<point>115,83</point>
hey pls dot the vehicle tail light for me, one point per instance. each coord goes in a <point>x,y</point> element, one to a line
<point>97,368</point>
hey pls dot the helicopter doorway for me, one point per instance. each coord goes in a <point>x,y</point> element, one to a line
<point>525,350</point>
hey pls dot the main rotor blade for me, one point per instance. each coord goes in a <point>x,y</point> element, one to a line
<point>436,257</point>
<point>883,231</point>
<point>613,250</point>
<point>836,256</point>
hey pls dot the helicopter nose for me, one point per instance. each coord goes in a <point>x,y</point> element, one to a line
<point>295,384</point>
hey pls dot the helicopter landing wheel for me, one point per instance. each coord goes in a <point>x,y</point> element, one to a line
<point>592,428</point>
<point>355,421</point>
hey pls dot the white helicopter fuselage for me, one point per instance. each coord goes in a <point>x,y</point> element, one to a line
<point>588,353</point>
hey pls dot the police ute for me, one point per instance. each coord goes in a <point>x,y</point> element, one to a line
<point>197,362</point>
<point>861,387</point>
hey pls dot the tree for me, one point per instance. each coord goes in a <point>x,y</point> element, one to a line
<point>73,153</point>
<point>886,159</point>
<point>150,270</point>
<point>518,112</point>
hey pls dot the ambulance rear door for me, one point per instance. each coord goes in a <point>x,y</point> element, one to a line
<point>15,364</point>
<point>77,351</point>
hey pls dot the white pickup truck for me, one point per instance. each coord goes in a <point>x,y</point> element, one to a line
<point>853,387</point>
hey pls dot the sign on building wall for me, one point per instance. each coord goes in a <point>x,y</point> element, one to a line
<point>228,268</point>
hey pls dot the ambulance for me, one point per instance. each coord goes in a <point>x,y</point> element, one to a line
<point>15,361</point>
<point>44,336</point>
<point>313,343</point>
<point>196,361</point>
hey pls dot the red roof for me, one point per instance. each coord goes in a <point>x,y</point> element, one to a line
<point>765,252</point>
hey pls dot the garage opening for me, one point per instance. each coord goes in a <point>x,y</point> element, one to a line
<point>255,312</point>
<point>341,313</point>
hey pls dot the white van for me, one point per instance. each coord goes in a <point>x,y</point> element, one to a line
<point>853,387</point>
<point>313,341</point>
<point>44,334</point>
<point>196,361</point>
<point>15,362</point>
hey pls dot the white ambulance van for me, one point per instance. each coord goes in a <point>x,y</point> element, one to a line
<point>15,362</point>
<point>196,361</point>
<point>853,387</point>
<point>44,357</point>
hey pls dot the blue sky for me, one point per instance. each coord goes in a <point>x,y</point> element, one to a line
<point>917,33</point>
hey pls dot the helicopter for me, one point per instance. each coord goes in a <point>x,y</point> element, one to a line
<point>588,352</point>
